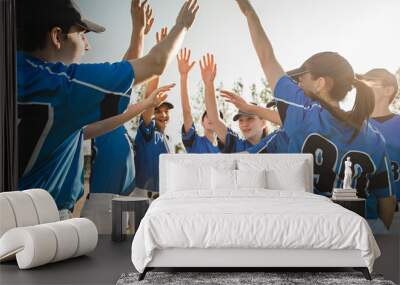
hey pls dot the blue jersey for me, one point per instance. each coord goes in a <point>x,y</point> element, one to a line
<point>54,102</point>
<point>149,144</point>
<point>275,142</point>
<point>113,164</point>
<point>389,127</point>
<point>196,144</point>
<point>234,143</point>
<point>312,129</point>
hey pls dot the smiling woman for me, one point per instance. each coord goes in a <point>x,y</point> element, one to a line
<point>8,147</point>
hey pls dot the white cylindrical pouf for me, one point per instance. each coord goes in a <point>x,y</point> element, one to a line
<point>23,207</point>
<point>7,218</point>
<point>34,246</point>
<point>45,206</point>
<point>87,235</point>
<point>67,240</point>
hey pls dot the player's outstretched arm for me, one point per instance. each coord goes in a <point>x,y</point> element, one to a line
<point>243,105</point>
<point>208,73</point>
<point>155,62</point>
<point>271,67</point>
<point>142,21</point>
<point>153,100</point>
<point>149,112</point>
<point>184,67</point>
<point>153,83</point>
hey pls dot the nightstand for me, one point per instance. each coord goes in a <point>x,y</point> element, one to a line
<point>357,205</point>
<point>122,204</point>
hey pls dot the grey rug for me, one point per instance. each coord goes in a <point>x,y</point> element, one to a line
<point>230,278</point>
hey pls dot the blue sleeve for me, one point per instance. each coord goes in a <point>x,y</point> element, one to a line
<point>292,104</point>
<point>189,138</point>
<point>382,181</point>
<point>380,186</point>
<point>147,131</point>
<point>95,92</point>
<point>276,142</point>
<point>231,140</point>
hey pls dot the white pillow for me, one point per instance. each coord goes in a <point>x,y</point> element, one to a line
<point>281,175</point>
<point>251,178</point>
<point>223,179</point>
<point>187,177</point>
<point>193,174</point>
<point>289,179</point>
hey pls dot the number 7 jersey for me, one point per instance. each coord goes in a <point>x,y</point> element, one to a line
<point>312,129</point>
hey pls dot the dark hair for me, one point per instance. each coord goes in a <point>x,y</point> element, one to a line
<point>35,19</point>
<point>336,68</point>
<point>205,114</point>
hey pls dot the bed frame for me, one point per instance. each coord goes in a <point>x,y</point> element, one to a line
<point>246,259</point>
<point>242,259</point>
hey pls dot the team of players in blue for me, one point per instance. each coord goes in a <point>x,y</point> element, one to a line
<point>62,102</point>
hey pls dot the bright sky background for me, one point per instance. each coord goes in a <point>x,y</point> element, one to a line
<point>366,32</point>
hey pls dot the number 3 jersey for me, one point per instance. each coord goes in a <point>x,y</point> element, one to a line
<point>389,126</point>
<point>312,129</point>
<point>55,102</point>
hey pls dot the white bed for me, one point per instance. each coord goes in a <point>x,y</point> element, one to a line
<point>202,220</point>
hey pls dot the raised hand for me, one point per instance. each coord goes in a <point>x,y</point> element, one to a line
<point>187,13</point>
<point>161,35</point>
<point>184,65</point>
<point>159,95</point>
<point>138,14</point>
<point>265,52</point>
<point>235,99</point>
<point>244,6</point>
<point>242,105</point>
<point>208,68</point>
<point>149,20</point>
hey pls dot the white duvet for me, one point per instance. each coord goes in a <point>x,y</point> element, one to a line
<point>253,218</point>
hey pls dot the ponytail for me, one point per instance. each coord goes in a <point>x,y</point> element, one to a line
<point>363,106</point>
<point>362,109</point>
<point>341,79</point>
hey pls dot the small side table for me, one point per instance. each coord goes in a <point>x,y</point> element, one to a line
<point>357,205</point>
<point>139,205</point>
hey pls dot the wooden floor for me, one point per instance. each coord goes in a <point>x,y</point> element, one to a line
<point>106,264</point>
